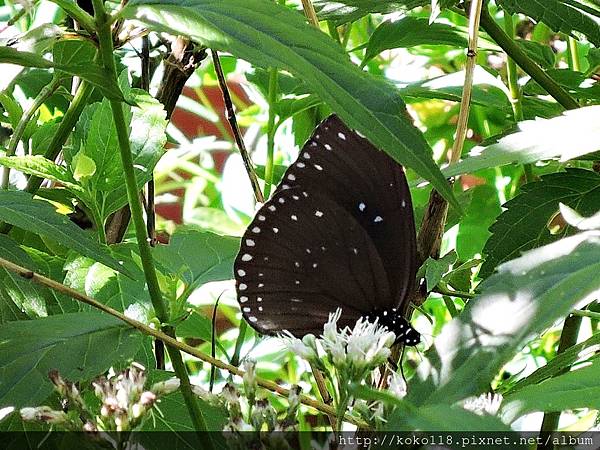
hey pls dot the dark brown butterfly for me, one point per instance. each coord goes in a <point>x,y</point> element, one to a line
<point>338,233</point>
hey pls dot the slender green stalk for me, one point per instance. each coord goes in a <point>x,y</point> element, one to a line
<point>524,62</point>
<point>441,288</point>
<point>574,62</point>
<point>585,313</point>
<point>43,95</point>
<point>271,129</point>
<point>137,215</point>
<point>235,359</point>
<point>77,13</point>
<point>568,338</point>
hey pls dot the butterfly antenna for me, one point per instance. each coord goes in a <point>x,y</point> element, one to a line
<point>213,341</point>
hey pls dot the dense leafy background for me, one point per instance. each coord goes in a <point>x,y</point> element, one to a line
<point>512,266</point>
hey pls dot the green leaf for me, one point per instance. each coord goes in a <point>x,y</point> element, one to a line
<point>198,256</point>
<point>287,107</point>
<point>90,71</point>
<point>125,294</point>
<point>525,296</point>
<point>80,346</point>
<point>576,220</point>
<point>576,389</point>
<point>524,223</point>
<point>561,363</point>
<point>37,216</point>
<point>568,136</point>
<point>560,15</point>
<point>411,31</point>
<point>40,167</point>
<point>27,296</point>
<point>343,11</point>
<point>540,53</point>
<point>270,35</point>
<point>195,326</point>
<point>99,151</point>
<point>436,268</point>
<point>479,216</point>
<point>83,166</point>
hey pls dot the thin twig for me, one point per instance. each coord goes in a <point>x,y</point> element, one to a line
<point>26,117</point>
<point>325,395</point>
<point>168,340</point>
<point>230,113</point>
<point>309,12</point>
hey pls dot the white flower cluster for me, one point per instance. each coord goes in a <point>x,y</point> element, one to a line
<point>364,347</point>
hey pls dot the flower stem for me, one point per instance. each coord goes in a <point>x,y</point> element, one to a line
<point>103,21</point>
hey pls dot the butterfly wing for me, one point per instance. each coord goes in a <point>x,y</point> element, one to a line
<point>301,258</point>
<point>371,186</point>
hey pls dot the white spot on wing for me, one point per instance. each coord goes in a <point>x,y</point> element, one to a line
<point>261,285</point>
<point>362,206</point>
<point>242,287</point>
<point>275,230</point>
<point>294,217</point>
<point>300,165</point>
<point>378,219</point>
<point>318,167</point>
<point>261,217</point>
<point>243,299</point>
<point>246,257</point>
<point>291,177</point>
<point>318,213</point>
<point>306,155</point>
<point>249,242</point>
<point>342,136</point>
<point>259,299</point>
<point>272,208</point>
<point>281,200</point>
<point>403,203</point>
<point>246,309</point>
<point>256,230</point>
<point>241,272</point>
<point>328,147</point>
<point>252,319</point>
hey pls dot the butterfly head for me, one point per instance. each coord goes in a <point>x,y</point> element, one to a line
<point>393,320</point>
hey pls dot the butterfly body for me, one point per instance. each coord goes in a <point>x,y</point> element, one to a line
<point>337,233</point>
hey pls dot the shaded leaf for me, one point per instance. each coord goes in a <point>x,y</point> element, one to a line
<point>525,296</point>
<point>270,35</point>
<point>15,291</point>
<point>564,137</point>
<point>37,216</point>
<point>576,389</point>
<point>79,345</point>
<point>343,11</point>
<point>195,326</point>
<point>198,256</point>
<point>524,223</point>
<point>560,15</point>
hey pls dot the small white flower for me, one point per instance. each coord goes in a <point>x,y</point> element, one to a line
<point>166,387</point>
<point>28,414</point>
<point>305,348</point>
<point>488,403</point>
<point>397,385</point>
<point>368,344</point>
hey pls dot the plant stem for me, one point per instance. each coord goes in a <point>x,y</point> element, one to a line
<point>525,63</point>
<point>43,95</point>
<point>574,63</point>
<point>236,129</point>
<point>309,12</point>
<point>168,340</point>
<point>271,129</point>
<point>235,359</point>
<point>585,313</point>
<point>465,104</point>
<point>443,289</point>
<point>568,338</point>
<point>106,51</point>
